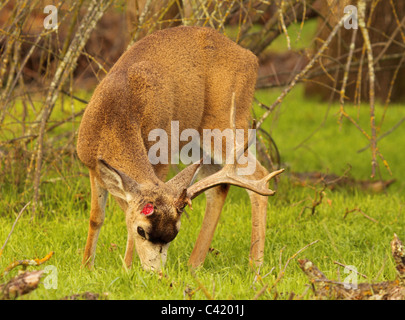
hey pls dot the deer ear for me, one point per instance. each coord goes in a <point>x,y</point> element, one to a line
<point>184,178</point>
<point>117,182</point>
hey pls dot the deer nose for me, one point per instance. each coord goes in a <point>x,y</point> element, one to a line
<point>153,267</point>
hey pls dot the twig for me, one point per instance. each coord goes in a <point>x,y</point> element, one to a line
<point>386,133</point>
<point>364,31</point>
<point>350,269</point>
<point>387,100</point>
<point>281,18</point>
<point>346,72</point>
<point>317,71</point>
<point>12,228</point>
<point>358,210</point>
<point>299,76</point>
<point>94,13</point>
<point>140,23</point>
<point>261,292</point>
<point>74,97</point>
<point>319,194</point>
<point>201,286</point>
<point>281,274</point>
<point>25,263</point>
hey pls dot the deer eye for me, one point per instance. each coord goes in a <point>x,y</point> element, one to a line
<point>141,232</point>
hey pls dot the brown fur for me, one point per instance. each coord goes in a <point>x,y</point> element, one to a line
<point>185,74</point>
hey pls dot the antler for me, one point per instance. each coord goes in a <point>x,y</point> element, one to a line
<point>228,174</point>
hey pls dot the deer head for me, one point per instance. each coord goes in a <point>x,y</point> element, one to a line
<point>154,210</point>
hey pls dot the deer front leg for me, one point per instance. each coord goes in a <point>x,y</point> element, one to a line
<point>215,201</point>
<point>129,250</point>
<point>97,214</point>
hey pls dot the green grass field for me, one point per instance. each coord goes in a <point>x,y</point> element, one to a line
<point>354,240</point>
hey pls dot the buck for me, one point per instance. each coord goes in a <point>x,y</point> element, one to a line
<point>191,75</point>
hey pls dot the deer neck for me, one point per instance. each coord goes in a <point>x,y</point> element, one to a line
<point>127,152</point>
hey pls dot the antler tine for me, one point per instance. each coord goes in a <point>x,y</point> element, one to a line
<point>228,176</point>
<point>272,175</point>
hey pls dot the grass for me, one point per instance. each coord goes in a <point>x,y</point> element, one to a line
<point>354,240</point>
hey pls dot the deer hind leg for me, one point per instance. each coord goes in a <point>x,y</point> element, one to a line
<point>215,200</point>
<point>259,215</point>
<point>97,214</point>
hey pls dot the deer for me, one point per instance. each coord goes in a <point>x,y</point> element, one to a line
<point>187,74</point>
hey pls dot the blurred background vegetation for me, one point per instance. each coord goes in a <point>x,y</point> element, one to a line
<point>48,75</point>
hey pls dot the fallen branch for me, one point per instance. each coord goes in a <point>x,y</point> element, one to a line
<point>87,296</point>
<point>387,290</point>
<point>26,263</point>
<point>398,252</point>
<point>20,285</point>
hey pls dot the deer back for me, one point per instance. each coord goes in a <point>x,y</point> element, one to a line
<point>185,74</point>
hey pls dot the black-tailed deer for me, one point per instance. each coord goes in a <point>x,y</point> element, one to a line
<point>187,74</point>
